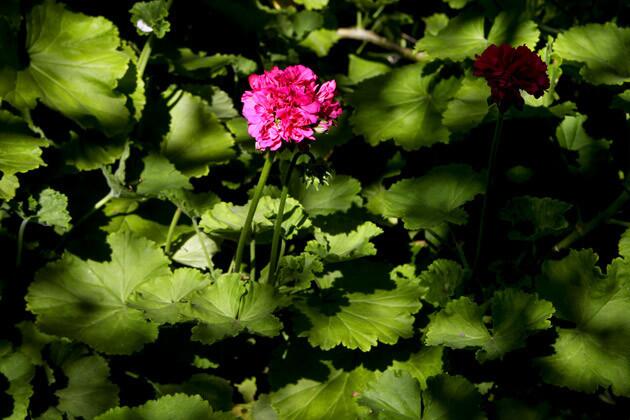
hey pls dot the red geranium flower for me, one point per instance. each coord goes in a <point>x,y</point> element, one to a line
<point>509,70</point>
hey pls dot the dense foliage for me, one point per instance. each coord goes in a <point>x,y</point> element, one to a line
<point>127,173</point>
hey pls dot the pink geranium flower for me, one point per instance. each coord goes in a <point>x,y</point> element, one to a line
<point>288,106</point>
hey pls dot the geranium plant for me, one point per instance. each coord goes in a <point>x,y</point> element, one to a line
<point>299,209</point>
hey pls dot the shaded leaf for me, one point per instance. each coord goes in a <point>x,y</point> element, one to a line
<point>435,198</point>
<point>451,397</point>
<point>344,246</point>
<point>533,218</point>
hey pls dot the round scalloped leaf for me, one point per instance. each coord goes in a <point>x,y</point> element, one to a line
<point>334,399</point>
<point>404,106</point>
<point>20,150</point>
<point>435,198</point>
<point>595,353</point>
<point>75,65</point>
<point>170,407</point>
<point>603,48</point>
<point>89,301</point>
<point>196,138</point>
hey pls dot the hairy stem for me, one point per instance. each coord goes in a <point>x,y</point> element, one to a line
<point>206,254</point>
<point>20,241</point>
<point>277,227</point>
<point>245,233</point>
<point>496,139</point>
<point>365,35</point>
<point>171,230</point>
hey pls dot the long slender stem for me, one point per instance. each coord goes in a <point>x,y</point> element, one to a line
<point>496,139</point>
<point>20,241</point>
<point>206,254</point>
<point>277,227</point>
<point>171,230</point>
<point>247,227</point>
<point>252,259</point>
<point>583,230</point>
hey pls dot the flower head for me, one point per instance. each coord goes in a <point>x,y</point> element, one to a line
<point>288,106</point>
<point>509,70</point>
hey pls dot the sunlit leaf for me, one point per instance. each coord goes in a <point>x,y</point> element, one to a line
<point>339,194</point>
<point>149,17</point>
<point>404,106</point>
<point>170,407</point>
<point>395,395</point>
<point>515,315</point>
<point>344,246</point>
<point>602,48</point>
<point>20,149</point>
<point>334,399</point>
<point>88,301</point>
<point>75,65</point>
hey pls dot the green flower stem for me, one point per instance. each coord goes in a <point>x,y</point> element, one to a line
<point>247,227</point>
<point>20,241</point>
<point>252,259</point>
<point>171,230</point>
<point>277,227</point>
<point>584,229</point>
<point>206,254</point>
<point>496,139</point>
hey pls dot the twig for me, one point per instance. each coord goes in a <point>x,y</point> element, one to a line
<point>365,35</point>
<point>582,230</point>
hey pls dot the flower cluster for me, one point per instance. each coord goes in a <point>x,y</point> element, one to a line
<point>509,70</point>
<point>288,106</point>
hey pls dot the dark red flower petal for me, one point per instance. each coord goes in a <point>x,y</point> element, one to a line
<point>509,70</point>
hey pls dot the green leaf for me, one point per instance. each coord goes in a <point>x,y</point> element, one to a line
<point>395,395</point>
<point>8,186</point>
<point>75,65</point>
<point>159,177</point>
<point>217,309</point>
<point>602,48</point>
<point>19,371</point>
<point>87,153</point>
<point>435,23</point>
<point>514,315</point>
<point>451,397</point>
<point>572,136</point>
<point>463,36</point>
<point>53,210</point>
<point>88,301</point>
<point>209,66</point>
<point>362,320</point>
<point>422,365</point>
<point>457,4</point>
<point>20,150</point>
<point>360,69</point>
<point>149,229</point>
<point>149,17</point>
<point>313,4</point>
<point>161,299</point>
<point>89,391</point>
<point>624,245</point>
<point>441,279</point>
<point>196,138</point>
<point>226,220</point>
<point>533,218</point>
<point>404,106</point>
<point>344,246</point>
<point>298,271</point>
<point>217,391</point>
<point>469,106</point>
<point>435,198</point>
<point>334,399</point>
<point>170,407</point>
<point>320,41</point>
<point>339,194</point>
<point>192,252</point>
<point>594,353</point>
